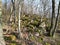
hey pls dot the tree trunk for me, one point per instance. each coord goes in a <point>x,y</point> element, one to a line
<point>19,30</point>
<point>53,15</point>
<point>20,34</point>
<point>54,21</point>
<point>13,3</point>
<point>55,25</point>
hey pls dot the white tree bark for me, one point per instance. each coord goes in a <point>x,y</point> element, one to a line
<point>19,30</point>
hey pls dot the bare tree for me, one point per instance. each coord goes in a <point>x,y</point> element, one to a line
<point>54,25</point>
<point>53,14</point>
<point>13,3</point>
<point>20,10</point>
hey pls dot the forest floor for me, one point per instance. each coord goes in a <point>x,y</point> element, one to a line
<point>31,33</point>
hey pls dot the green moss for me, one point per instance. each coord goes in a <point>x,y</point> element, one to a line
<point>7,38</point>
<point>40,40</point>
<point>31,26</point>
<point>32,38</point>
<point>34,23</point>
<point>47,43</point>
<point>24,18</point>
<point>13,44</point>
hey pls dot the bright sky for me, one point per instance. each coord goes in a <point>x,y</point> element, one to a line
<point>36,1</point>
<point>3,1</point>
